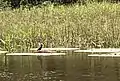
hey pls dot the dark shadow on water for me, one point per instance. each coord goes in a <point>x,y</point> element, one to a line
<point>27,68</point>
<point>72,67</point>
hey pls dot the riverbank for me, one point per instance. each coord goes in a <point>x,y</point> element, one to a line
<point>91,25</point>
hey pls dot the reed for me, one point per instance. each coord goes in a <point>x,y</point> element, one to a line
<point>85,26</point>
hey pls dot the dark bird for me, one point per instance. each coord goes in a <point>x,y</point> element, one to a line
<point>40,47</point>
<point>39,50</point>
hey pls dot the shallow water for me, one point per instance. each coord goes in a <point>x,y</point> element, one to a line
<point>72,67</point>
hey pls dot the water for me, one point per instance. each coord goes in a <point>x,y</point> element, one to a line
<point>72,67</point>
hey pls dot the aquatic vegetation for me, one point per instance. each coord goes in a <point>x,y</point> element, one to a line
<point>85,26</point>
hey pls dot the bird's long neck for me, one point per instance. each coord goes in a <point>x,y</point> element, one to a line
<point>40,47</point>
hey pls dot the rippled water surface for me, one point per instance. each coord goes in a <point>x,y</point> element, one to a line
<point>72,67</point>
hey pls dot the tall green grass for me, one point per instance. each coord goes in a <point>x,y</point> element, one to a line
<point>61,26</point>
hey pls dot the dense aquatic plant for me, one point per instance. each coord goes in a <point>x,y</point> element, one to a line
<point>91,25</point>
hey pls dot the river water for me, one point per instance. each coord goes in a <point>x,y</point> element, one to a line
<point>71,67</point>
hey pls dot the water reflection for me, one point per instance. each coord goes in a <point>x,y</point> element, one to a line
<point>26,68</point>
<point>72,67</point>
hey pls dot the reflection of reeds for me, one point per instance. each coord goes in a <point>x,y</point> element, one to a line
<point>69,26</point>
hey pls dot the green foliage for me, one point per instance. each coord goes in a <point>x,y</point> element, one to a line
<point>3,4</point>
<point>67,26</point>
<point>31,3</point>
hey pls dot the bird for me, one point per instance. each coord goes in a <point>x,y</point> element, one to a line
<point>40,47</point>
<point>39,50</point>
